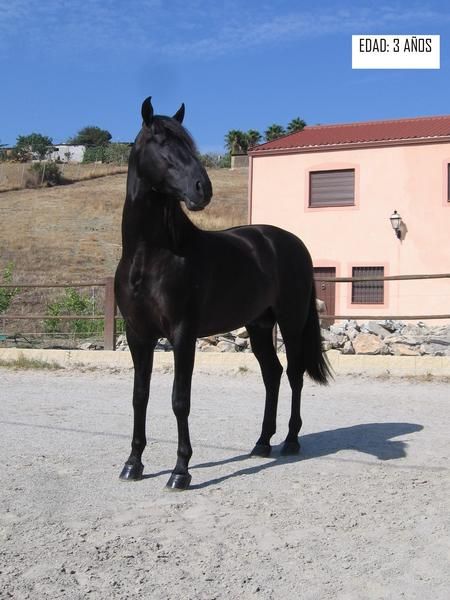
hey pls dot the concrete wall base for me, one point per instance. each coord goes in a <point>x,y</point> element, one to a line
<point>403,366</point>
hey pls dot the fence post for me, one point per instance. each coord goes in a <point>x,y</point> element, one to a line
<point>110,315</point>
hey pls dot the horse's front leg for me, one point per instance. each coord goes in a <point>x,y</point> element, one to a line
<point>184,355</point>
<point>142,355</point>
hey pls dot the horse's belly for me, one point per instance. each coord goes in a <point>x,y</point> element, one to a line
<point>230,311</point>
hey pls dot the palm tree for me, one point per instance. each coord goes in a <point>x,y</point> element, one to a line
<point>236,141</point>
<point>253,137</point>
<point>273,132</point>
<point>296,124</point>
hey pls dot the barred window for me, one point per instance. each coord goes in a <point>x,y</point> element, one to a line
<point>368,292</point>
<point>332,188</point>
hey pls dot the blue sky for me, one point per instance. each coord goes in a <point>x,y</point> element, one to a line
<point>236,64</point>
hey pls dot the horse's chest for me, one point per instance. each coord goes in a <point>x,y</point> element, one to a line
<point>153,299</point>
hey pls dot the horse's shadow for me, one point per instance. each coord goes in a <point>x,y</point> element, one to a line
<point>367,438</point>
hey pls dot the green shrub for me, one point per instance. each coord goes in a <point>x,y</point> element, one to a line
<point>211,160</point>
<point>112,153</point>
<point>73,303</point>
<point>94,154</point>
<point>47,173</point>
<point>117,153</point>
<point>225,161</point>
<point>7,294</point>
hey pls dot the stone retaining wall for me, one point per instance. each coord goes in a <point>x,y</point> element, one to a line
<point>375,337</point>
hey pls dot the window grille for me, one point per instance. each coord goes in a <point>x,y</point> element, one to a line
<point>368,292</point>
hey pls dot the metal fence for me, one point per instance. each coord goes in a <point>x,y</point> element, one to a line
<point>110,308</point>
<point>109,315</point>
<point>386,278</point>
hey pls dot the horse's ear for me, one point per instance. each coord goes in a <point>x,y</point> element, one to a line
<point>179,115</point>
<point>147,111</point>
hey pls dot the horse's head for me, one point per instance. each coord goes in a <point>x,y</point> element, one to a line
<point>167,159</point>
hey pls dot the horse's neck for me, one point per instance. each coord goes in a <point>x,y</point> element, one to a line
<point>150,217</point>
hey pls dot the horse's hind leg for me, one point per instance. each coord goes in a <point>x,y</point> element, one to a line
<point>295,372</point>
<point>142,355</point>
<point>271,369</point>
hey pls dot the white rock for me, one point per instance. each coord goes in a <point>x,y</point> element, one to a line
<point>241,332</point>
<point>400,349</point>
<point>225,346</point>
<point>367,343</point>
<point>348,348</point>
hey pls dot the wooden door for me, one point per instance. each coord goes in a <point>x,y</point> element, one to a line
<point>326,291</point>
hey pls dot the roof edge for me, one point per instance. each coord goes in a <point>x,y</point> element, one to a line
<point>350,146</point>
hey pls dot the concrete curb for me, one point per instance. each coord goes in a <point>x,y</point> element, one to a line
<point>403,366</point>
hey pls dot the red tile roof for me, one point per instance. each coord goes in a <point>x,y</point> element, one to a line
<point>369,133</point>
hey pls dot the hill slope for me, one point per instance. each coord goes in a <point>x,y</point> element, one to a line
<point>72,233</point>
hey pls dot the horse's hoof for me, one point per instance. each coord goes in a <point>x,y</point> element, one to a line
<point>179,482</point>
<point>132,472</point>
<point>262,450</point>
<point>290,448</point>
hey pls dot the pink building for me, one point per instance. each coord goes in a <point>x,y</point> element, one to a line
<point>336,187</point>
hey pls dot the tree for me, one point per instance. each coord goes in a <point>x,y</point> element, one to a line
<point>91,136</point>
<point>253,137</point>
<point>32,146</point>
<point>273,132</point>
<point>296,124</point>
<point>2,152</point>
<point>210,160</point>
<point>236,141</point>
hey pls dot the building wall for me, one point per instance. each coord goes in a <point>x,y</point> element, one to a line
<point>410,179</point>
<point>60,154</point>
<point>239,161</point>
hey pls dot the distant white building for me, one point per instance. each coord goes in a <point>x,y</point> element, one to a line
<point>67,153</point>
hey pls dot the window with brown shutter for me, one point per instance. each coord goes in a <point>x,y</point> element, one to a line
<point>368,292</point>
<point>332,188</point>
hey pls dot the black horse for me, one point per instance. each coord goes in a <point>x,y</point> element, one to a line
<point>179,282</point>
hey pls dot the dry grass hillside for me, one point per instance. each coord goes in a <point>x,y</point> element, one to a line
<point>72,233</point>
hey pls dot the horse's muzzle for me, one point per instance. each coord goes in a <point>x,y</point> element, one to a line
<point>196,205</point>
<point>200,195</point>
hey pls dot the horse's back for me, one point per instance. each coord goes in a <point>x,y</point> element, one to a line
<point>288,252</point>
<point>266,263</point>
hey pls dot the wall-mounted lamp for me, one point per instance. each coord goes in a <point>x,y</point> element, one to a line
<point>396,221</point>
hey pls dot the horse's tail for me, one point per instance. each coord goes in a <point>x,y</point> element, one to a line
<point>316,362</point>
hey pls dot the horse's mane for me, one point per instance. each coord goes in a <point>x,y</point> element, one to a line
<point>175,130</point>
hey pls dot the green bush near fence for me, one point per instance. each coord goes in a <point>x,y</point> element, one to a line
<point>117,153</point>
<point>7,294</point>
<point>47,173</point>
<point>73,303</point>
<point>94,154</point>
<point>112,154</point>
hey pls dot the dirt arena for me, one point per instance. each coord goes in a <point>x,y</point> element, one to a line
<point>363,513</point>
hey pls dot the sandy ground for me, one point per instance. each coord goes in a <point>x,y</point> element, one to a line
<point>363,514</point>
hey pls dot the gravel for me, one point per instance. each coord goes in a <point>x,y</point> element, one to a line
<point>362,514</point>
